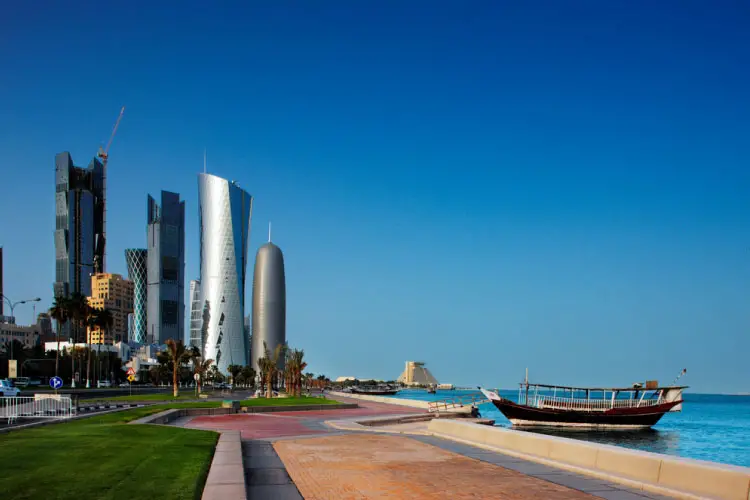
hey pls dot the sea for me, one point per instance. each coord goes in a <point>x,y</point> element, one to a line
<point>710,427</point>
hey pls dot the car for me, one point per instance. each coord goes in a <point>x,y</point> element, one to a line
<point>21,381</point>
<point>8,390</point>
<point>125,384</point>
<point>103,383</point>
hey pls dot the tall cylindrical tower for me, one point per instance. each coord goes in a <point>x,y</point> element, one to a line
<point>269,303</point>
<point>225,211</point>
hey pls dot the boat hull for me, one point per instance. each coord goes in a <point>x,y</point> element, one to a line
<point>376,393</point>
<point>620,418</point>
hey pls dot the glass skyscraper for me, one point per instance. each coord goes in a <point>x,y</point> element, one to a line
<point>136,259</point>
<point>79,228</point>
<point>225,211</point>
<point>79,225</point>
<point>165,314</point>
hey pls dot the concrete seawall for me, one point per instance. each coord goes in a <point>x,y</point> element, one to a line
<point>680,477</point>
<point>382,399</point>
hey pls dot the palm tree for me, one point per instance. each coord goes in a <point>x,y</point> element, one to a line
<point>177,355</point>
<point>103,319</point>
<point>271,363</point>
<point>78,310</point>
<point>249,375</point>
<point>59,312</point>
<point>296,365</point>
<point>201,369</point>
<point>234,370</point>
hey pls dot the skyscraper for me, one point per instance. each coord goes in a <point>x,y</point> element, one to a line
<point>79,225</point>
<point>196,315</point>
<point>165,314</point>
<point>269,302</point>
<point>225,211</point>
<point>136,259</point>
<point>2,302</point>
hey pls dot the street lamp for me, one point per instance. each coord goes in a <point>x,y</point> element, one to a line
<point>12,307</point>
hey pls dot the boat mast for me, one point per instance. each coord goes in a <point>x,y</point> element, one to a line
<point>527,386</point>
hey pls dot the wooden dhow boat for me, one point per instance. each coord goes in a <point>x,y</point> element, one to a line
<point>638,407</point>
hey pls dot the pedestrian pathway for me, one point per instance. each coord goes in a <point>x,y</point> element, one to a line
<point>293,455</point>
<point>265,474</point>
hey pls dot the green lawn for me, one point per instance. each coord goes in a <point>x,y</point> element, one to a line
<point>102,457</point>
<point>159,396</point>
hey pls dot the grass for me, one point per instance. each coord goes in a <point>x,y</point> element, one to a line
<point>288,401</point>
<point>159,396</point>
<point>101,457</point>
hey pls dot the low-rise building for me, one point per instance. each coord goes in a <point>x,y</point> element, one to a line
<point>29,335</point>
<point>112,292</point>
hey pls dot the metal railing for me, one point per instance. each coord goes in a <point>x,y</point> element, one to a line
<point>459,402</point>
<point>558,403</point>
<point>39,406</point>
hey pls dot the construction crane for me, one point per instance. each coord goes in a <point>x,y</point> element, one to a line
<point>104,153</point>
<point>100,256</point>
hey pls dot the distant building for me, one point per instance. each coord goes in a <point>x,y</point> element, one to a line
<point>80,226</point>
<point>136,260</point>
<point>112,292</point>
<point>196,315</point>
<point>415,373</point>
<point>269,303</point>
<point>30,335</point>
<point>225,211</point>
<point>166,269</point>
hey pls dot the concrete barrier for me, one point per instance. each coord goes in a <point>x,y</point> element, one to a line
<point>266,409</point>
<point>226,477</point>
<point>680,477</point>
<point>382,399</point>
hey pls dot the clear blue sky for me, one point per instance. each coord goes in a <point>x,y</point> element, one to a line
<point>484,186</point>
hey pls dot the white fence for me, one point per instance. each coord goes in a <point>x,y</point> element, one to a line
<point>39,406</point>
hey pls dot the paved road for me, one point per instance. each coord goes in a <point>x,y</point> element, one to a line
<point>293,455</point>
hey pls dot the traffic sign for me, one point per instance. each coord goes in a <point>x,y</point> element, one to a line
<point>197,376</point>
<point>55,382</point>
<point>131,377</point>
<point>131,372</point>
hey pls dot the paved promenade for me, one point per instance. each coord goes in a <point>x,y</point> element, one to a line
<point>294,455</point>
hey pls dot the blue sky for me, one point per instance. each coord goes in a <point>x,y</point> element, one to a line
<point>484,186</point>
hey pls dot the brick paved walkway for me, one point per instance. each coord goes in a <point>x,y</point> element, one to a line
<point>375,466</point>
<point>287,451</point>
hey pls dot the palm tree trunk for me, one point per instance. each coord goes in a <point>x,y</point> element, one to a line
<point>174,377</point>
<point>88,364</point>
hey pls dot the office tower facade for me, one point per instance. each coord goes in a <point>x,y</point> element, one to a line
<point>165,267</point>
<point>2,301</point>
<point>269,303</point>
<point>112,292</point>
<point>249,336</point>
<point>196,315</point>
<point>136,260</point>
<point>79,225</point>
<point>225,211</point>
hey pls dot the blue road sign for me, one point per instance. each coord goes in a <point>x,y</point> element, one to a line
<point>55,382</point>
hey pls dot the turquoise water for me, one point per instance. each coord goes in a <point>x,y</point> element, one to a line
<point>710,427</point>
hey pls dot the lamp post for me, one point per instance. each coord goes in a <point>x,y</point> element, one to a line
<point>12,308</point>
